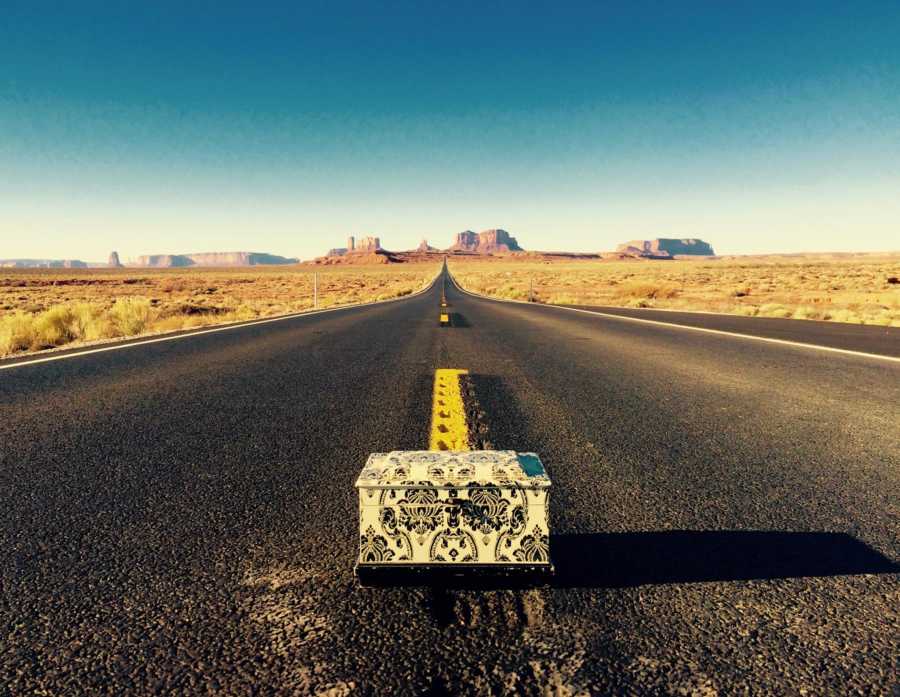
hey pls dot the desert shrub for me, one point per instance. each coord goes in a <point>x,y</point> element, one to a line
<point>512,291</point>
<point>807,312</point>
<point>561,299</point>
<point>171,323</point>
<point>16,333</point>
<point>91,322</point>
<point>638,302</point>
<point>195,309</point>
<point>244,312</point>
<point>774,310</point>
<point>83,316</point>
<point>172,285</point>
<point>647,290</point>
<point>131,315</point>
<point>844,315</point>
<point>56,326</point>
<point>53,327</point>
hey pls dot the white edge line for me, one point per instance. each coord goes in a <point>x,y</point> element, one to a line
<point>753,337</point>
<point>212,330</point>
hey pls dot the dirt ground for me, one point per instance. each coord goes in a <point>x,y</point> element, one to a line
<point>45,308</point>
<point>862,289</point>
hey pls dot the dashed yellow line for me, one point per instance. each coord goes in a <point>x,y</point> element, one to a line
<point>449,430</point>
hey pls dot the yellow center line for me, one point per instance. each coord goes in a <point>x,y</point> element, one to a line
<point>449,430</point>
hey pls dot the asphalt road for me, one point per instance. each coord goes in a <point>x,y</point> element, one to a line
<point>883,341</point>
<point>180,517</point>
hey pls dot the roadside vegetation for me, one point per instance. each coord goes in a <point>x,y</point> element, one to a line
<point>49,308</point>
<point>860,289</point>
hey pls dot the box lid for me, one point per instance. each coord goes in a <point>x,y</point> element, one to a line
<point>449,469</point>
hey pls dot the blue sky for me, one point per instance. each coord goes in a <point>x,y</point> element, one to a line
<point>188,127</point>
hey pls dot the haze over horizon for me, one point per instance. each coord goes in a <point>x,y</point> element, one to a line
<point>761,128</point>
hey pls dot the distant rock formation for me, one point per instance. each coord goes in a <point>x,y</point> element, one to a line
<point>487,242</point>
<point>163,260</point>
<point>366,245</point>
<point>43,264</point>
<point>664,247</point>
<point>466,240</point>
<point>380,256</point>
<point>114,262</point>
<point>212,259</point>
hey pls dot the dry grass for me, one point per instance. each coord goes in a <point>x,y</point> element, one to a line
<point>47,308</point>
<point>852,288</point>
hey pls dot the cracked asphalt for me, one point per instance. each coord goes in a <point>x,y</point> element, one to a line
<point>180,517</point>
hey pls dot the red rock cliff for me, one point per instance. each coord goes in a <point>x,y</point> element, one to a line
<point>487,242</point>
<point>664,247</point>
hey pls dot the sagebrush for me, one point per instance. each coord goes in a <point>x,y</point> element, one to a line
<point>854,288</point>
<point>48,308</point>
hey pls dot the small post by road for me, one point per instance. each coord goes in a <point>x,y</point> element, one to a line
<point>531,290</point>
<point>316,290</point>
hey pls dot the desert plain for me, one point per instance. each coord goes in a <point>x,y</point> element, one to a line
<point>855,288</point>
<point>49,308</point>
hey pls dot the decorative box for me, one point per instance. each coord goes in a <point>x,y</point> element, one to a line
<point>462,509</point>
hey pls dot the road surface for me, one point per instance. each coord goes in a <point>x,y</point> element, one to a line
<point>179,517</point>
<point>884,341</point>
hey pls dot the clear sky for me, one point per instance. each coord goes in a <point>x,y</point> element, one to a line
<point>152,127</point>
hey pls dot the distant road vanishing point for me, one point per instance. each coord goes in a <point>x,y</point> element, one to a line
<point>180,516</point>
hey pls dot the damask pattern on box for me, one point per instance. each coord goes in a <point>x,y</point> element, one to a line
<point>483,507</point>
